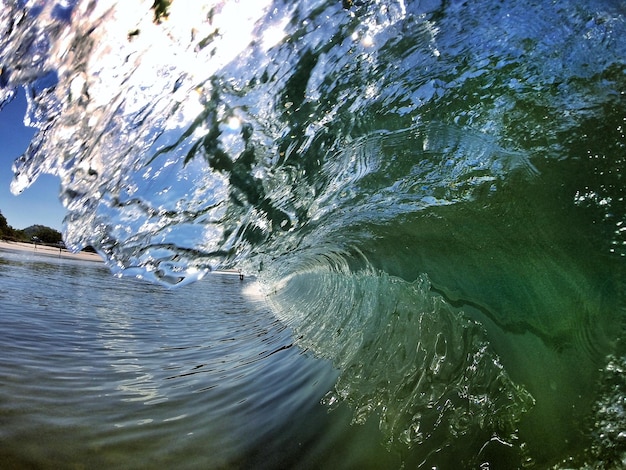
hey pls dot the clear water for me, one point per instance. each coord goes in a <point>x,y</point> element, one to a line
<point>100,373</point>
<point>430,195</point>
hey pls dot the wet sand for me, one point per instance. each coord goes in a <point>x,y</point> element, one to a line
<point>48,251</point>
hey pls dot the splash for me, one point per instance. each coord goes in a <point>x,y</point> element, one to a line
<point>452,172</point>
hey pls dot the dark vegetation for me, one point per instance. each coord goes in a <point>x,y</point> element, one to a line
<point>38,234</point>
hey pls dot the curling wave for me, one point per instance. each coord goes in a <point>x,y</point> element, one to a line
<point>430,192</point>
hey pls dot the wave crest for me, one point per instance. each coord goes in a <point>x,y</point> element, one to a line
<point>423,369</point>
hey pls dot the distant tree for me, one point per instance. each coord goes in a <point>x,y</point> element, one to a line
<point>3,222</point>
<point>6,231</point>
<point>49,235</point>
<point>20,236</point>
<point>43,233</point>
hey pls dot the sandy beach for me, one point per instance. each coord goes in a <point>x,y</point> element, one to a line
<point>48,251</point>
<point>29,249</point>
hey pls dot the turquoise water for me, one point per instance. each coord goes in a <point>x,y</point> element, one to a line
<point>429,194</point>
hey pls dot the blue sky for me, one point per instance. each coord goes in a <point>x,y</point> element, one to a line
<point>38,204</point>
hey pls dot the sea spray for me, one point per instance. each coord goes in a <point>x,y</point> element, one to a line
<point>453,172</point>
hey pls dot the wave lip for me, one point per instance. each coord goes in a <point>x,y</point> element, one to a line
<point>208,131</point>
<point>405,357</point>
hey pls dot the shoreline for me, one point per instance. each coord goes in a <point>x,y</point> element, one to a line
<point>52,252</point>
<point>48,251</point>
<point>29,249</point>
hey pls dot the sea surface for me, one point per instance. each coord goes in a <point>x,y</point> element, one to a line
<point>99,372</point>
<point>428,194</point>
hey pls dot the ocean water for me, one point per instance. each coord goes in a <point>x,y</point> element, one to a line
<point>428,194</point>
<point>103,373</point>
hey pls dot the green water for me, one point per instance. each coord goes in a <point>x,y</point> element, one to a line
<point>430,194</point>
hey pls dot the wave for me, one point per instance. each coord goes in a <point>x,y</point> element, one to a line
<point>424,189</point>
<point>406,357</point>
